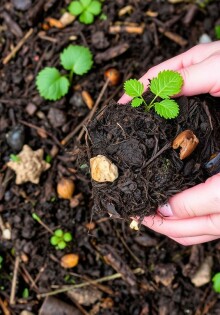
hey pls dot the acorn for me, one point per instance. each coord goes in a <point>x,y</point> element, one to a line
<point>113,75</point>
<point>65,188</point>
<point>69,260</point>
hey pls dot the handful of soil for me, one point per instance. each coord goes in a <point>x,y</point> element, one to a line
<point>139,143</point>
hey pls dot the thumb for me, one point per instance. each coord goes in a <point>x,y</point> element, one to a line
<point>203,199</point>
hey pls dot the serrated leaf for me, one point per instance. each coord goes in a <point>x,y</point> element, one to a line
<point>51,84</point>
<point>75,8</point>
<point>85,3</point>
<point>94,7</point>
<point>76,58</point>
<point>167,108</point>
<point>136,102</point>
<point>133,88</point>
<point>166,84</point>
<point>86,17</point>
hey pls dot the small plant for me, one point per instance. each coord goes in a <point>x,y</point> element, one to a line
<point>216,282</point>
<point>59,239</point>
<point>51,84</point>
<point>165,85</point>
<point>217,31</point>
<point>85,9</point>
<point>15,158</point>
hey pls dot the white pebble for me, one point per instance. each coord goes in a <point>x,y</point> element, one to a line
<point>205,39</point>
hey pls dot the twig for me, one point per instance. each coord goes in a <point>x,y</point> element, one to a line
<point>4,308</point>
<point>14,280</point>
<point>82,310</point>
<point>17,47</point>
<point>127,248</point>
<point>87,118</point>
<point>167,146</point>
<point>84,284</point>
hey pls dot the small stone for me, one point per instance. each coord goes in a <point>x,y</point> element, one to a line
<point>134,225</point>
<point>102,169</point>
<point>16,137</point>
<point>21,5</point>
<point>67,18</point>
<point>30,166</point>
<point>56,117</point>
<point>76,100</point>
<point>31,109</point>
<point>203,274</point>
<point>204,39</point>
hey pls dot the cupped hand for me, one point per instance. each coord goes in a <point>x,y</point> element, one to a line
<point>192,216</point>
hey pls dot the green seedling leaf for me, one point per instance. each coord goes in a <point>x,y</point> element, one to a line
<point>133,88</point>
<point>86,17</point>
<point>75,8</point>
<point>15,158</point>
<point>51,84</point>
<point>48,158</point>
<point>95,7</point>
<point>61,245</point>
<point>167,108</point>
<point>67,237</point>
<point>36,217</point>
<point>166,84</point>
<point>136,102</point>
<point>85,3</point>
<point>216,282</point>
<point>54,240</point>
<point>58,233</point>
<point>217,31</point>
<point>78,59</point>
<point>103,17</point>
<point>25,293</point>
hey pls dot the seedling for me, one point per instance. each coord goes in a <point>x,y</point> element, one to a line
<point>165,85</point>
<point>217,31</point>
<point>59,239</point>
<point>51,84</point>
<point>15,158</point>
<point>85,9</point>
<point>216,282</point>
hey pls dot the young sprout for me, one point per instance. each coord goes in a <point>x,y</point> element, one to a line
<point>59,239</point>
<point>216,282</point>
<point>15,158</point>
<point>168,83</point>
<point>51,84</point>
<point>85,9</point>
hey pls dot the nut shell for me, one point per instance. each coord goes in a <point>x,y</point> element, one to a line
<point>65,188</point>
<point>187,141</point>
<point>69,260</point>
<point>102,169</point>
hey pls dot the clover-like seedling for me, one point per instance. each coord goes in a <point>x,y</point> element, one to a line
<point>15,158</point>
<point>85,9</point>
<point>165,85</point>
<point>216,282</point>
<point>59,239</point>
<point>51,84</point>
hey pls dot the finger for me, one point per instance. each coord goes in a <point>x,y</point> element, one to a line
<point>190,57</point>
<point>200,200</point>
<point>187,241</point>
<point>198,226</point>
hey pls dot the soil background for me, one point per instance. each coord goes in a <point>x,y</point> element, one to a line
<point>162,283</point>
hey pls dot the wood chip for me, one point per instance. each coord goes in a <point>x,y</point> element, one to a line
<point>115,29</point>
<point>126,10</point>
<point>87,98</point>
<point>174,37</point>
<point>111,53</point>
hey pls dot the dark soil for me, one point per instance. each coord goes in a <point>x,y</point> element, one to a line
<point>140,145</point>
<point>162,284</point>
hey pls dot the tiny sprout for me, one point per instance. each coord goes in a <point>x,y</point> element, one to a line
<point>85,9</point>
<point>15,158</point>
<point>216,282</point>
<point>168,83</point>
<point>59,239</point>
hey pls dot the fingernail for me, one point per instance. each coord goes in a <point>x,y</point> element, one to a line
<point>165,210</point>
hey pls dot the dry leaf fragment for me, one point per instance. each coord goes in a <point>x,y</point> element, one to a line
<point>30,165</point>
<point>187,141</point>
<point>102,169</point>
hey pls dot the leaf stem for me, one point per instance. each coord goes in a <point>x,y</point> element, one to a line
<point>152,102</point>
<point>71,76</point>
<point>143,100</point>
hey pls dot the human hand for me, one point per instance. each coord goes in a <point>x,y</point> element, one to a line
<point>192,216</point>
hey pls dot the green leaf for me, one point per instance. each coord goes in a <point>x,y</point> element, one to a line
<point>86,17</point>
<point>75,8</point>
<point>136,102</point>
<point>61,245</point>
<point>48,158</point>
<point>51,84</point>
<point>58,233</point>
<point>85,3</point>
<point>133,88</point>
<point>216,282</point>
<point>15,158</point>
<point>54,240</point>
<point>36,217</point>
<point>77,59</point>
<point>167,108</point>
<point>25,293</point>
<point>95,7</point>
<point>67,237</point>
<point>217,31</point>
<point>166,84</point>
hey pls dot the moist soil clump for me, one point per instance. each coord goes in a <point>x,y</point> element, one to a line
<point>139,143</point>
